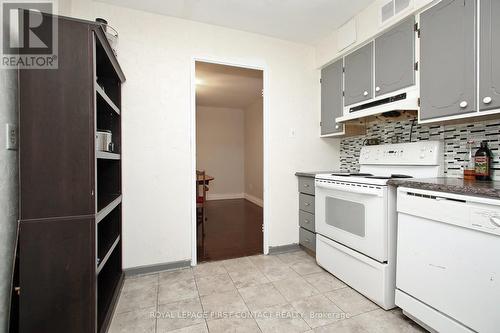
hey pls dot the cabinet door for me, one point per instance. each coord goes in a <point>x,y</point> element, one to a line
<point>395,58</point>
<point>57,275</point>
<point>359,75</point>
<point>447,58</point>
<point>489,78</point>
<point>331,98</point>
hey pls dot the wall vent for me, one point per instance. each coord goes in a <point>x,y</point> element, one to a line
<point>392,8</point>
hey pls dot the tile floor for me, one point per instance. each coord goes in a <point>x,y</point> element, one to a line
<point>277,293</point>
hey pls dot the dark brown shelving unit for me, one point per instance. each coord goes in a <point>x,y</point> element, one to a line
<point>70,243</point>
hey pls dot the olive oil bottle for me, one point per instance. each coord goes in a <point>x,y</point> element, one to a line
<point>482,160</point>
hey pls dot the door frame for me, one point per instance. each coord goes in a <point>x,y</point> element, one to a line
<point>265,121</point>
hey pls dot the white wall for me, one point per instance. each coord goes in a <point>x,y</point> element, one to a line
<point>220,150</point>
<point>367,26</point>
<point>8,191</point>
<point>156,53</point>
<point>254,151</point>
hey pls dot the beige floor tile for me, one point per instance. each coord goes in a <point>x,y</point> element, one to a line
<point>381,321</point>
<point>209,268</point>
<point>318,311</point>
<point>179,314</point>
<point>295,288</point>
<point>295,257</point>
<point>324,281</point>
<point>350,301</point>
<point>233,325</point>
<point>212,284</point>
<point>140,282</point>
<point>281,318</point>
<point>238,264</point>
<point>139,321</point>
<point>223,305</point>
<point>306,267</point>
<point>263,260</point>
<point>247,277</point>
<point>136,298</point>
<point>200,328</point>
<point>177,290</point>
<point>262,296</point>
<point>179,274</point>
<point>343,326</point>
<point>275,271</point>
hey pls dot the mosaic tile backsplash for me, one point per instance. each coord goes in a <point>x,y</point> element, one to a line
<point>455,139</point>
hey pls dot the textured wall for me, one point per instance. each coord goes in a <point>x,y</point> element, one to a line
<point>455,142</point>
<point>8,191</point>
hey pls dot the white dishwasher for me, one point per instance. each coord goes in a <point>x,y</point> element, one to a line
<point>448,260</point>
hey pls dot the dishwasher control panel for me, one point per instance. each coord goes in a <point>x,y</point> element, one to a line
<point>485,220</point>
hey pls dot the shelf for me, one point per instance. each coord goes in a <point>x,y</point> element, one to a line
<point>108,209</point>
<point>103,200</point>
<point>105,97</point>
<point>108,254</point>
<point>104,155</point>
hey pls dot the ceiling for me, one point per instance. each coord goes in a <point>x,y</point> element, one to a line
<point>227,86</point>
<point>304,21</point>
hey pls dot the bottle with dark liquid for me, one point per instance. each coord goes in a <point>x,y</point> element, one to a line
<point>482,161</point>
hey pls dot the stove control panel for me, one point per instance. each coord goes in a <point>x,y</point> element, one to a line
<point>415,153</point>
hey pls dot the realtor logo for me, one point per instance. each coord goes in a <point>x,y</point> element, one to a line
<point>29,35</point>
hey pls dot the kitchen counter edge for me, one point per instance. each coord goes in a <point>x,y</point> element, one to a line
<point>488,189</point>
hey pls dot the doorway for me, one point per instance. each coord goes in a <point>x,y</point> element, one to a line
<point>229,161</point>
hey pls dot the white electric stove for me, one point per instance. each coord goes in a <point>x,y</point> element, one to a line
<point>356,215</point>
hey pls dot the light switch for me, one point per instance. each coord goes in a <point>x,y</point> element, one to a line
<point>10,137</point>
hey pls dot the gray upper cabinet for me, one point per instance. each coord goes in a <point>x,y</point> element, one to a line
<point>489,78</point>
<point>447,59</point>
<point>331,98</point>
<point>395,58</point>
<point>359,75</point>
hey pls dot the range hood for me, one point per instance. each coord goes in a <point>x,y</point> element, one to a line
<point>403,100</point>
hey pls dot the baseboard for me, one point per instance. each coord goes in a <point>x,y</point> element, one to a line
<point>284,248</point>
<point>148,269</point>
<point>227,196</point>
<point>254,199</point>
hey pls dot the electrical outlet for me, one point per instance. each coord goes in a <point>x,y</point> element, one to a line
<point>10,137</point>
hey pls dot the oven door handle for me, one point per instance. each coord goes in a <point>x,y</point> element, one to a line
<point>354,188</point>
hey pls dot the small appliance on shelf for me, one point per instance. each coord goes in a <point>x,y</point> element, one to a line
<point>103,141</point>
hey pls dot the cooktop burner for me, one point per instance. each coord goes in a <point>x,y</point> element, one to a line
<point>347,174</point>
<point>389,177</point>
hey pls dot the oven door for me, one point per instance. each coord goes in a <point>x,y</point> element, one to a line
<point>354,215</point>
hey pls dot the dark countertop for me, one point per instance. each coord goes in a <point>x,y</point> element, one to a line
<point>490,189</point>
<point>311,174</point>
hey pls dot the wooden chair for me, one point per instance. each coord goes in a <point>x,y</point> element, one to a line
<point>201,199</point>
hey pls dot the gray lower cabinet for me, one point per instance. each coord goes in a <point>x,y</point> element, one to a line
<point>331,98</point>
<point>489,78</point>
<point>395,58</point>
<point>448,59</point>
<point>358,76</point>
<point>307,234</point>
<point>307,239</point>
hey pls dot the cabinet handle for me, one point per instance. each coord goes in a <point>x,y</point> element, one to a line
<point>487,100</point>
<point>306,185</point>
<point>365,93</point>
<point>307,240</point>
<point>463,104</point>
<point>307,221</point>
<point>337,126</point>
<point>307,204</point>
<point>377,89</point>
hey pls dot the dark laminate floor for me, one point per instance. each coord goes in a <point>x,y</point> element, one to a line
<point>233,229</point>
